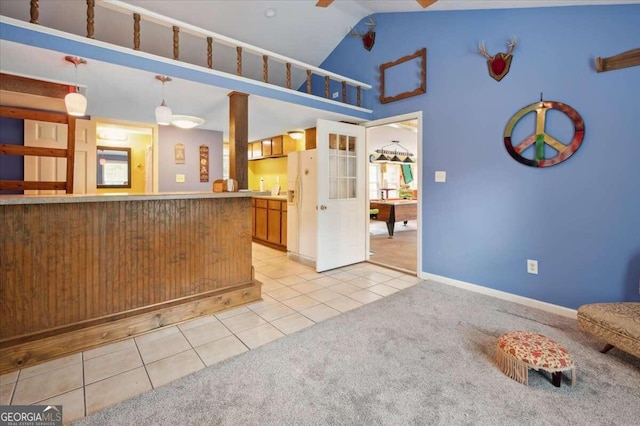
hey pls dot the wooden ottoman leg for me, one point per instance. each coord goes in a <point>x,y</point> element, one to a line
<point>556,378</point>
<point>607,348</point>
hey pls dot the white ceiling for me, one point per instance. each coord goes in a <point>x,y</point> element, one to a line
<point>298,30</point>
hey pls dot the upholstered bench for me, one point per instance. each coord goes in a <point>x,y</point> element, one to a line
<point>618,324</point>
<point>517,351</point>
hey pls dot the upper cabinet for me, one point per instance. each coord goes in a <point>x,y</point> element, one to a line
<point>277,146</point>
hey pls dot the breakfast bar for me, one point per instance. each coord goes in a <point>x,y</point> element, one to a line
<point>78,271</point>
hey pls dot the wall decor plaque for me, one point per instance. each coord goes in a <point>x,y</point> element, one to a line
<point>204,163</point>
<point>540,139</point>
<point>178,150</point>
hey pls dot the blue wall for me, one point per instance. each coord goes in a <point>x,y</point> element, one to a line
<point>11,166</point>
<point>580,219</point>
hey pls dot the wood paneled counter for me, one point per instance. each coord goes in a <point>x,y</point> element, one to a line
<point>78,271</point>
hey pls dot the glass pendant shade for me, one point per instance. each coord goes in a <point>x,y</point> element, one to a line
<point>76,104</point>
<point>408,160</point>
<point>382,157</point>
<point>396,159</point>
<point>163,115</point>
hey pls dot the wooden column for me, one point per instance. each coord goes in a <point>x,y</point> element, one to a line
<point>239,138</point>
<point>136,31</point>
<point>35,11</point>
<point>91,4</point>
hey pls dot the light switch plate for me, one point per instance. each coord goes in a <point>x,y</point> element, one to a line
<point>180,178</point>
<point>441,176</point>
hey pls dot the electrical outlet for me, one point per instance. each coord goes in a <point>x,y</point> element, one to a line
<point>532,266</point>
<point>441,176</point>
<point>334,95</point>
<point>179,178</point>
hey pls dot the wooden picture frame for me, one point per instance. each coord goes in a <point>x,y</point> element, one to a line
<point>422,87</point>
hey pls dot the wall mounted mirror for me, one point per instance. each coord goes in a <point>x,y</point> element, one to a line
<point>114,167</point>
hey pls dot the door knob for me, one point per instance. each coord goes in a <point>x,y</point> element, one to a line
<point>323,207</point>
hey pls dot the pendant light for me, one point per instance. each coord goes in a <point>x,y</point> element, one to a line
<point>75,102</point>
<point>392,153</point>
<point>163,112</point>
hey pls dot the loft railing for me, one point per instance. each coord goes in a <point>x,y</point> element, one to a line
<point>211,39</point>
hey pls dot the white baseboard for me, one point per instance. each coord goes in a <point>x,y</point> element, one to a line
<point>549,307</point>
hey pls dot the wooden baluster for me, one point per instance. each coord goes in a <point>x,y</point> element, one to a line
<point>358,95</point>
<point>91,4</point>
<point>210,52</point>
<point>288,75</point>
<point>326,86</point>
<point>308,81</point>
<point>176,42</point>
<point>136,31</point>
<point>35,11</point>
<point>265,68</point>
<point>344,91</point>
<point>239,60</point>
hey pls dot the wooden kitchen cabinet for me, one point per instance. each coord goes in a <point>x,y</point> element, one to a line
<point>276,146</point>
<point>270,222</point>
<point>274,222</point>
<point>310,138</point>
<point>261,221</point>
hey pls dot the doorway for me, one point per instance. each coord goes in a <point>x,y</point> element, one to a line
<point>393,195</point>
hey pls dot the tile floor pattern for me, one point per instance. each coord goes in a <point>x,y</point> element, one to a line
<point>294,297</point>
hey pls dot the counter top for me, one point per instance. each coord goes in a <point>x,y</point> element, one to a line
<point>13,199</point>
<point>270,197</point>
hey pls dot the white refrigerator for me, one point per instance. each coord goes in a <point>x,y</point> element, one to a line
<point>302,196</point>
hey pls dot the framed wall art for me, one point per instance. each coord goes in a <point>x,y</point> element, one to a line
<point>397,72</point>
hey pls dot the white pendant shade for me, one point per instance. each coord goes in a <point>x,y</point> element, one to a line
<point>163,115</point>
<point>76,104</point>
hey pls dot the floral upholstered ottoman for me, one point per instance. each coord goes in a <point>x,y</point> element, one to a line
<point>518,351</point>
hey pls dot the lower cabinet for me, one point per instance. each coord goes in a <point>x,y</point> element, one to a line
<point>269,222</point>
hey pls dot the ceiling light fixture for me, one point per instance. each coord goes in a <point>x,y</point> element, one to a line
<point>186,121</point>
<point>296,134</point>
<point>393,154</point>
<point>163,112</point>
<point>270,12</point>
<point>75,102</point>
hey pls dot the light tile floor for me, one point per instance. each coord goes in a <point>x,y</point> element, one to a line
<point>294,297</point>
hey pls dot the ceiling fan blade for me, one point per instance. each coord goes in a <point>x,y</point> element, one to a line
<point>424,3</point>
<point>323,3</point>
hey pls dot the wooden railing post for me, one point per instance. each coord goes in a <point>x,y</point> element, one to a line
<point>176,42</point>
<point>358,95</point>
<point>35,11</point>
<point>239,60</point>
<point>91,4</point>
<point>265,68</point>
<point>210,52</point>
<point>136,31</point>
<point>309,81</point>
<point>326,86</point>
<point>288,75</point>
<point>344,91</point>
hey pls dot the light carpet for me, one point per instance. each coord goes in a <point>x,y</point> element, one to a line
<point>424,355</point>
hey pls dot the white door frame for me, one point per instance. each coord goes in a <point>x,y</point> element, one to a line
<point>388,120</point>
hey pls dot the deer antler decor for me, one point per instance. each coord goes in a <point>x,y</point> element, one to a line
<point>368,38</point>
<point>499,63</point>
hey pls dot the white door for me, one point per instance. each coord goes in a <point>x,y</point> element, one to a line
<point>54,169</point>
<point>342,214</point>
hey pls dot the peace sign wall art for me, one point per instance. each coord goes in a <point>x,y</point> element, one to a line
<point>540,139</point>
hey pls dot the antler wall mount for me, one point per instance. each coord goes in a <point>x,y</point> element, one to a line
<point>368,37</point>
<point>500,63</point>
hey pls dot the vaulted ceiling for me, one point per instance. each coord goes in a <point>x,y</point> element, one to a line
<point>297,29</point>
